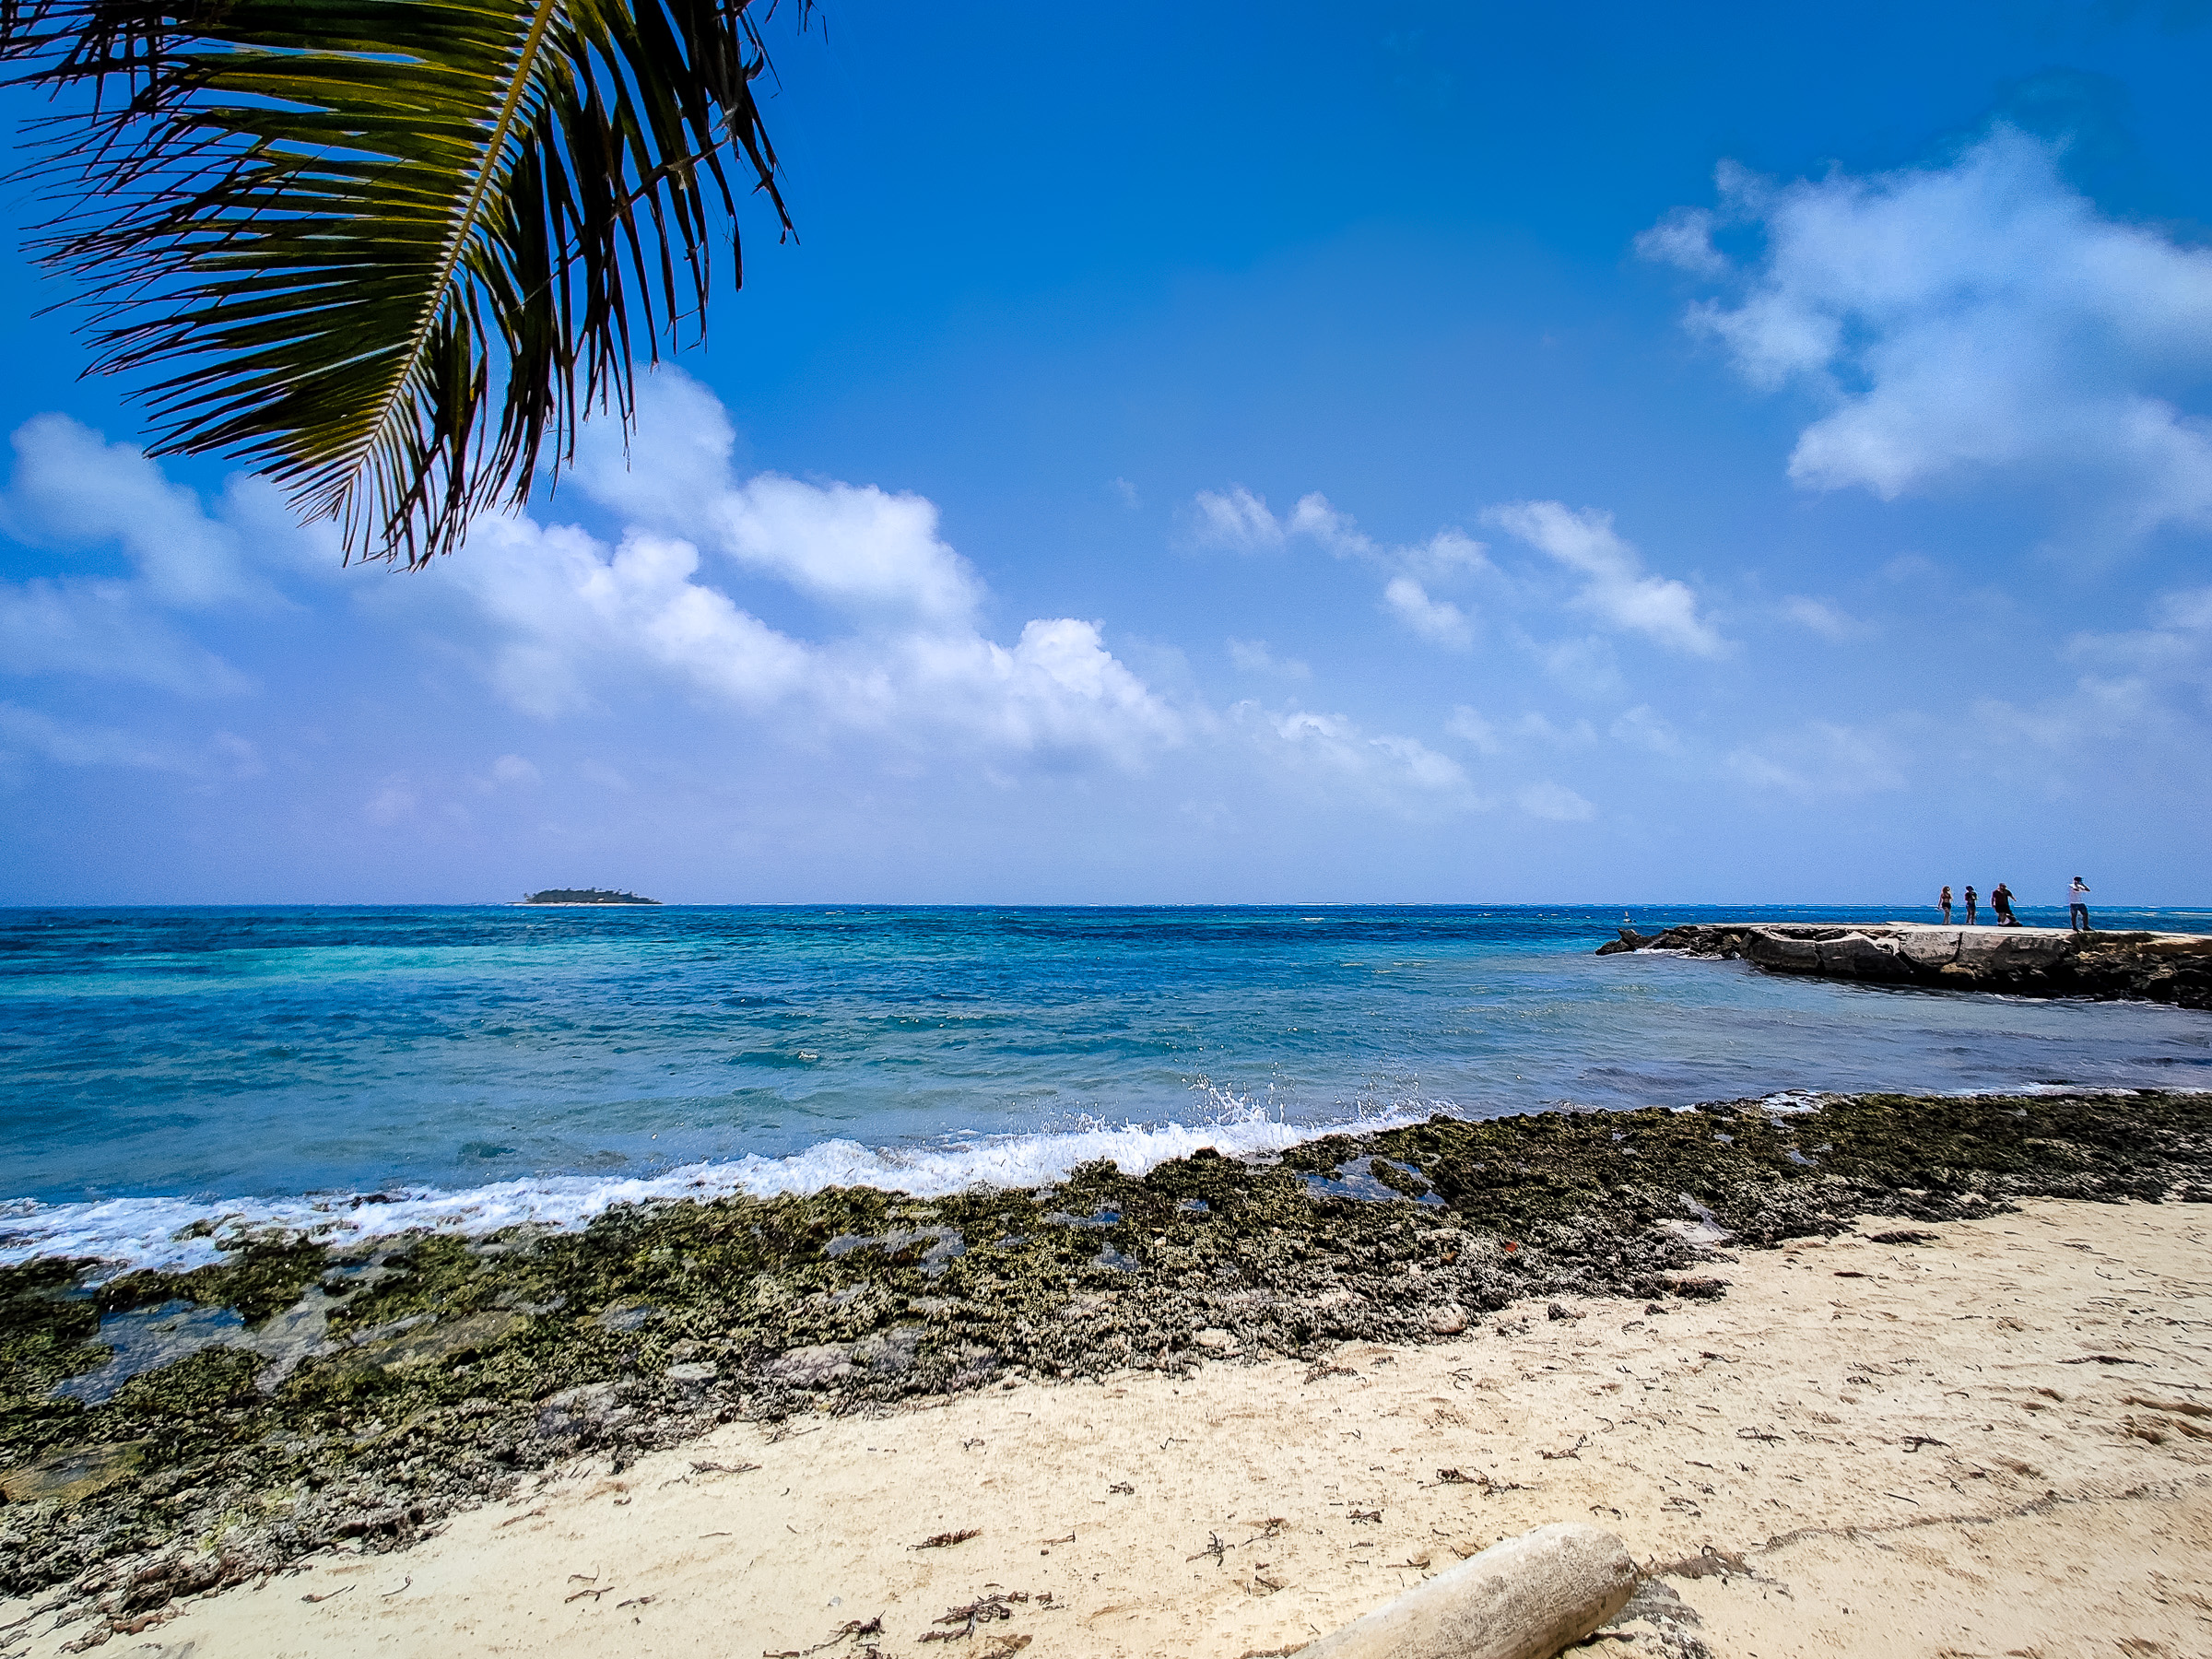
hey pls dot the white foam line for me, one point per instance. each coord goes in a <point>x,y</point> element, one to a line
<point>152,1231</point>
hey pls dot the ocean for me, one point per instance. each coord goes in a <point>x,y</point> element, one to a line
<point>363,1070</point>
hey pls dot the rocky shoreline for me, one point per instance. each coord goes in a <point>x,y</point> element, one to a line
<point>2023,961</point>
<point>353,1398</point>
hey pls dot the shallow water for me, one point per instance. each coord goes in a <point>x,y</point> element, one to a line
<point>373,1068</point>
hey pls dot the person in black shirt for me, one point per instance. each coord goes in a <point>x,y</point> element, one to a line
<point>1972,900</point>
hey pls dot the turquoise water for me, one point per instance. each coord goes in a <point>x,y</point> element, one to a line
<point>380,1067</point>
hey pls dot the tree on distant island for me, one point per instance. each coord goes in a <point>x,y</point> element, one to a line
<point>585,896</point>
<point>391,251</point>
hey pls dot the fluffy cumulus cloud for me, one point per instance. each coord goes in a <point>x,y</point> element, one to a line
<point>1974,318</point>
<point>569,613</point>
<point>1616,591</point>
<point>878,646</point>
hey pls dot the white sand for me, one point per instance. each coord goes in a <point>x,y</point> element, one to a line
<point>1914,1459</point>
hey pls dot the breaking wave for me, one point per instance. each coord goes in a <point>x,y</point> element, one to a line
<point>182,1233</point>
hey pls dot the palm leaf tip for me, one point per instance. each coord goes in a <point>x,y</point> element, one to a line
<point>390,252</point>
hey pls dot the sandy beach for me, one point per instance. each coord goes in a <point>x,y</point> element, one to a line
<point>1994,1442</point>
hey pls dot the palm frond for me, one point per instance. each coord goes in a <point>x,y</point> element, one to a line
<point>390,252</point>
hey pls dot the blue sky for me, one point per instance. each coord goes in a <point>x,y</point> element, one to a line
<point>1453,453</point>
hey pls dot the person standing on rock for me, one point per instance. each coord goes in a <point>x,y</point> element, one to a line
<point>2000,901</point>
<point>2077,906</point>
<point>1971,900</point>
<point>1945,903</point>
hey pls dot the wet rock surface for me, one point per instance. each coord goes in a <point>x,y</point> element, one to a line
<point>2022,962</point>
<point>443,1370</point>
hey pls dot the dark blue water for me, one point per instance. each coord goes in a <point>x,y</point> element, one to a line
<point>485,1063</point>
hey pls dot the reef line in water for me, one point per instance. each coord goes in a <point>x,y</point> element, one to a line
<point>296,1395</point>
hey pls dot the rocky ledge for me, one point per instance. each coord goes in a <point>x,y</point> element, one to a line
<point>2026,962</point>
<point>305,1396</point>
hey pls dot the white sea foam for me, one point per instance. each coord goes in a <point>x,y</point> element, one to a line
<point>187,1232</point>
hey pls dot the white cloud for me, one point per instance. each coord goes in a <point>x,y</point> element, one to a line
<point>394,801</point>
<point>1532,730</point>
<point>1645,728</point>
<point>1822,617</point>
<point>1331,749</point>
<point>569,605</point>
<point>1236,520</point>
<point>1977,317</point>
<point>1255,657</point>
<point>1684,237</point>
<point>72,490</point>
<point>876,633</point>
<point>855,547</point>
<point>1471,728</point>
<point>1556,802</point>
<point>71,487</point>
<point>1439,621</point>
<point>1617,591</point>
<point>569,613</point>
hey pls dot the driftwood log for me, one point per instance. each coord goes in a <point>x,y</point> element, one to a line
<point>1525,1598</point>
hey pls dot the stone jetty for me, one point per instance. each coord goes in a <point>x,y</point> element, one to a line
<point>2024,961</point>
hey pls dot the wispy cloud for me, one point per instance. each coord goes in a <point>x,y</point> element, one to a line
<point>1239,521</point>
<point>1256,656</point>
<point>1616,592</point>
<point>1555,803</point>
<point>1822,617</point>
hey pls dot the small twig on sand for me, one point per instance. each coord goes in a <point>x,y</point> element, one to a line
<point>853,1630</point>
<point>974,1613</point>
<point>1575,1451</point>
<point>945,1540</point>
<point>327,1593</point>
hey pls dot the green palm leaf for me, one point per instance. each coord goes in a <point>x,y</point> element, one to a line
<point>390,252</point>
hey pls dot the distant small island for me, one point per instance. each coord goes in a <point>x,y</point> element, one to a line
<point>585,896</point>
